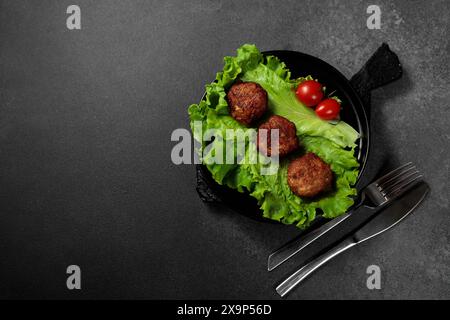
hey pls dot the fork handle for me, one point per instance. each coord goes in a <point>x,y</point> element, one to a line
<point>292,248</point>
<point>301,274</point>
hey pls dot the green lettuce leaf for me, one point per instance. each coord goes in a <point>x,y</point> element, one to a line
<point>333,143</point>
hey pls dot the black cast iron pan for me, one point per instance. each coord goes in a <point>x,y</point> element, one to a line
<point>382,68</point>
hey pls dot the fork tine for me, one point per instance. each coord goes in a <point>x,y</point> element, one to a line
<point>399,189</point>
<point>392,173</point>
<point>397,180</point>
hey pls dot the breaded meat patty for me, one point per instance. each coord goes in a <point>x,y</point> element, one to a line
<point>309,175</point>
<point>247,102</point>
<point>287,136</point>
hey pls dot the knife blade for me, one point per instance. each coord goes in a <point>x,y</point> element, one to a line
<point>383,221</point>
<point>393,214</point>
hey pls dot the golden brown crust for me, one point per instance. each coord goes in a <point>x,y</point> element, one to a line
<point>309,175</point>
<point>247,102</point>
<point>287,136</point>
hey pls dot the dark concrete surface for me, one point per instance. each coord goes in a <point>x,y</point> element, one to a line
<point>85,170</point>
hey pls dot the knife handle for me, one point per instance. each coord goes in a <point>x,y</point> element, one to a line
<point>301,274</point>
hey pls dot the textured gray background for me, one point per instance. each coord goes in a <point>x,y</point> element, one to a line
<point>85,170</point>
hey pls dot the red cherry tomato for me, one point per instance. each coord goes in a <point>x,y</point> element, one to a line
<point>328,109</point>
<point>310,92</point>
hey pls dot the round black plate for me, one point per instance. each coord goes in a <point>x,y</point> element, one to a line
<point>352,112</point>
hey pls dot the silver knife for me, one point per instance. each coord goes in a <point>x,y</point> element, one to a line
<point>383,221</point>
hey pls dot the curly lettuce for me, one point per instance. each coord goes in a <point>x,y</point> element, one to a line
<point>333,143</point>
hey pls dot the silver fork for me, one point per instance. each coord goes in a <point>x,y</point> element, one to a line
<point>374,196</point>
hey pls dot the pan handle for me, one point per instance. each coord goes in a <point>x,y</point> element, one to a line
<point>383,67</point>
